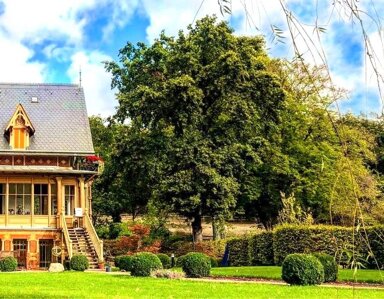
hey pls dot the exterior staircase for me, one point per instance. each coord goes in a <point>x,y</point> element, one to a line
<point>82,244</point>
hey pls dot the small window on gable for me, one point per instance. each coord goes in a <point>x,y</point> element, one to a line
<point>19,129</point>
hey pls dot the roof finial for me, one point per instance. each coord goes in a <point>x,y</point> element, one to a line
<point>80,76</point>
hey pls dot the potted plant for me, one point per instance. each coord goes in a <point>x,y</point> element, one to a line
<point>101,264</point>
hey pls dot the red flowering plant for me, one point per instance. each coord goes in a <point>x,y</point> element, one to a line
<point>139,240</point>
<point>93,159</point>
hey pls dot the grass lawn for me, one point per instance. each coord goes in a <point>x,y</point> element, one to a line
<point>100,285</point>
<point>274,272</point>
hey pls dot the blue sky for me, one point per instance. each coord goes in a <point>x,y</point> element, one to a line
<point>50,40</point>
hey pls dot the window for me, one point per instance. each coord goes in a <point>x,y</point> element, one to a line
<point>45,247</point>
<point>19,138</point>
<point>41,199</point>
<point>20,248</point>
<point>2,198</point>
<point>19,199</point>
<point>69,199</point>
<point>53,199</point>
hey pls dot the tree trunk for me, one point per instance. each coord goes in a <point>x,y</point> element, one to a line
<point>197,229</point>
<point>215,230</point>
<point>116,217</point>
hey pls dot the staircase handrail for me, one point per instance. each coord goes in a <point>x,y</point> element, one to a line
<point>97,243</point>
<point>67,239</point>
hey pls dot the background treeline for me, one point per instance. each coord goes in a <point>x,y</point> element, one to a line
<point>209,125</point>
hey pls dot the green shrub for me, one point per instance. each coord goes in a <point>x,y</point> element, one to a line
<point>330,266</point>
<point>145,262</point>
<point>214,262</point>
<point>376,241</point>
<point>8,264</point>
<point>238,252</point>
<point>117,229</point>
<point>165,260</point>
<point>302,269</point>
<point>124,262</point>
<point>261,249</point>
<point>79,263</point>
<point>333,240</point>
<point>180,261</point>
<point>102,231</point>
<point>196,264</point>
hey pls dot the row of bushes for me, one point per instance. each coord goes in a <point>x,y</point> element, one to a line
<point>271,248</point>
<point>194,264</point>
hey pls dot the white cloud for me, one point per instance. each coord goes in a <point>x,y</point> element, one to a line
<point>95,80</point>
<point>14,63</point>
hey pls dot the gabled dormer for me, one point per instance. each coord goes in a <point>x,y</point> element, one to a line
<point>19,129</point>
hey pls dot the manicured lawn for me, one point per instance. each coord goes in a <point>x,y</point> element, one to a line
<point>274,272</point>
<point>95,285</point>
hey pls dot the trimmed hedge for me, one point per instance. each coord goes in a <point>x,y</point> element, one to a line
<point>165,260</point>
<point>145,262</point>
<point>238,252</point>
<point>270,248</point>
<point>124,262</point>
<point>333,240</point>
<point>196,264</point>
<point>302,269</point>
<point>8,264</point>
<point>79,263</point>
<point>261,249</point>
<point>331,269</point>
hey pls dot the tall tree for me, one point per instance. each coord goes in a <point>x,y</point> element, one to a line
<point>210,104</point>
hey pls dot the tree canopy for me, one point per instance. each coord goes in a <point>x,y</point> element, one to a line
<point>209,125</point>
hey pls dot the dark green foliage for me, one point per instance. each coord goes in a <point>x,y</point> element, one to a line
<point>330,266</point>
<point>261,248</point>
<point>201,106</point>
<point>214,262</point>
<point>302,269</point>
<point>165,260</point>
<point>8,264</point>
<point>79,263</point>
<point>196,264</point>
<point>375,236</point>
<point>124,262</point>
<point>238,252</point>
<point>180,261</point>
<point>145,262</point>
<point>332,240</point>
<point>348,246</point>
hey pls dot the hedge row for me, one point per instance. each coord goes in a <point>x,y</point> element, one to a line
<point>272,247</point>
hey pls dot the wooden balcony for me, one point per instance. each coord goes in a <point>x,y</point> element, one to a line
<point>28,221</point>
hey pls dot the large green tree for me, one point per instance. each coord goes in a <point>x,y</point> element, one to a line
<point>208,102</point>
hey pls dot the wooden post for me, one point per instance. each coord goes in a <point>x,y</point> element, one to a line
<point>6,203</point>
<point>60,205</point>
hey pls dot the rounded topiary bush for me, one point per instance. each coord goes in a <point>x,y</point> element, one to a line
<point>145,262</point>
<point>302,269</point>
<point>180,261</point>
<point>331,269</point>
<point>79,263</point>
<point>124,262</point>
<point>196,264</point>
<point>165,260</point>
<point>8,264</point>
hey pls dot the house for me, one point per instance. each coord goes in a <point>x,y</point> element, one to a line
<point>47,165</point>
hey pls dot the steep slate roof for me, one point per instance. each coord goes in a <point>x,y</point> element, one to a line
<point>59,117</point>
